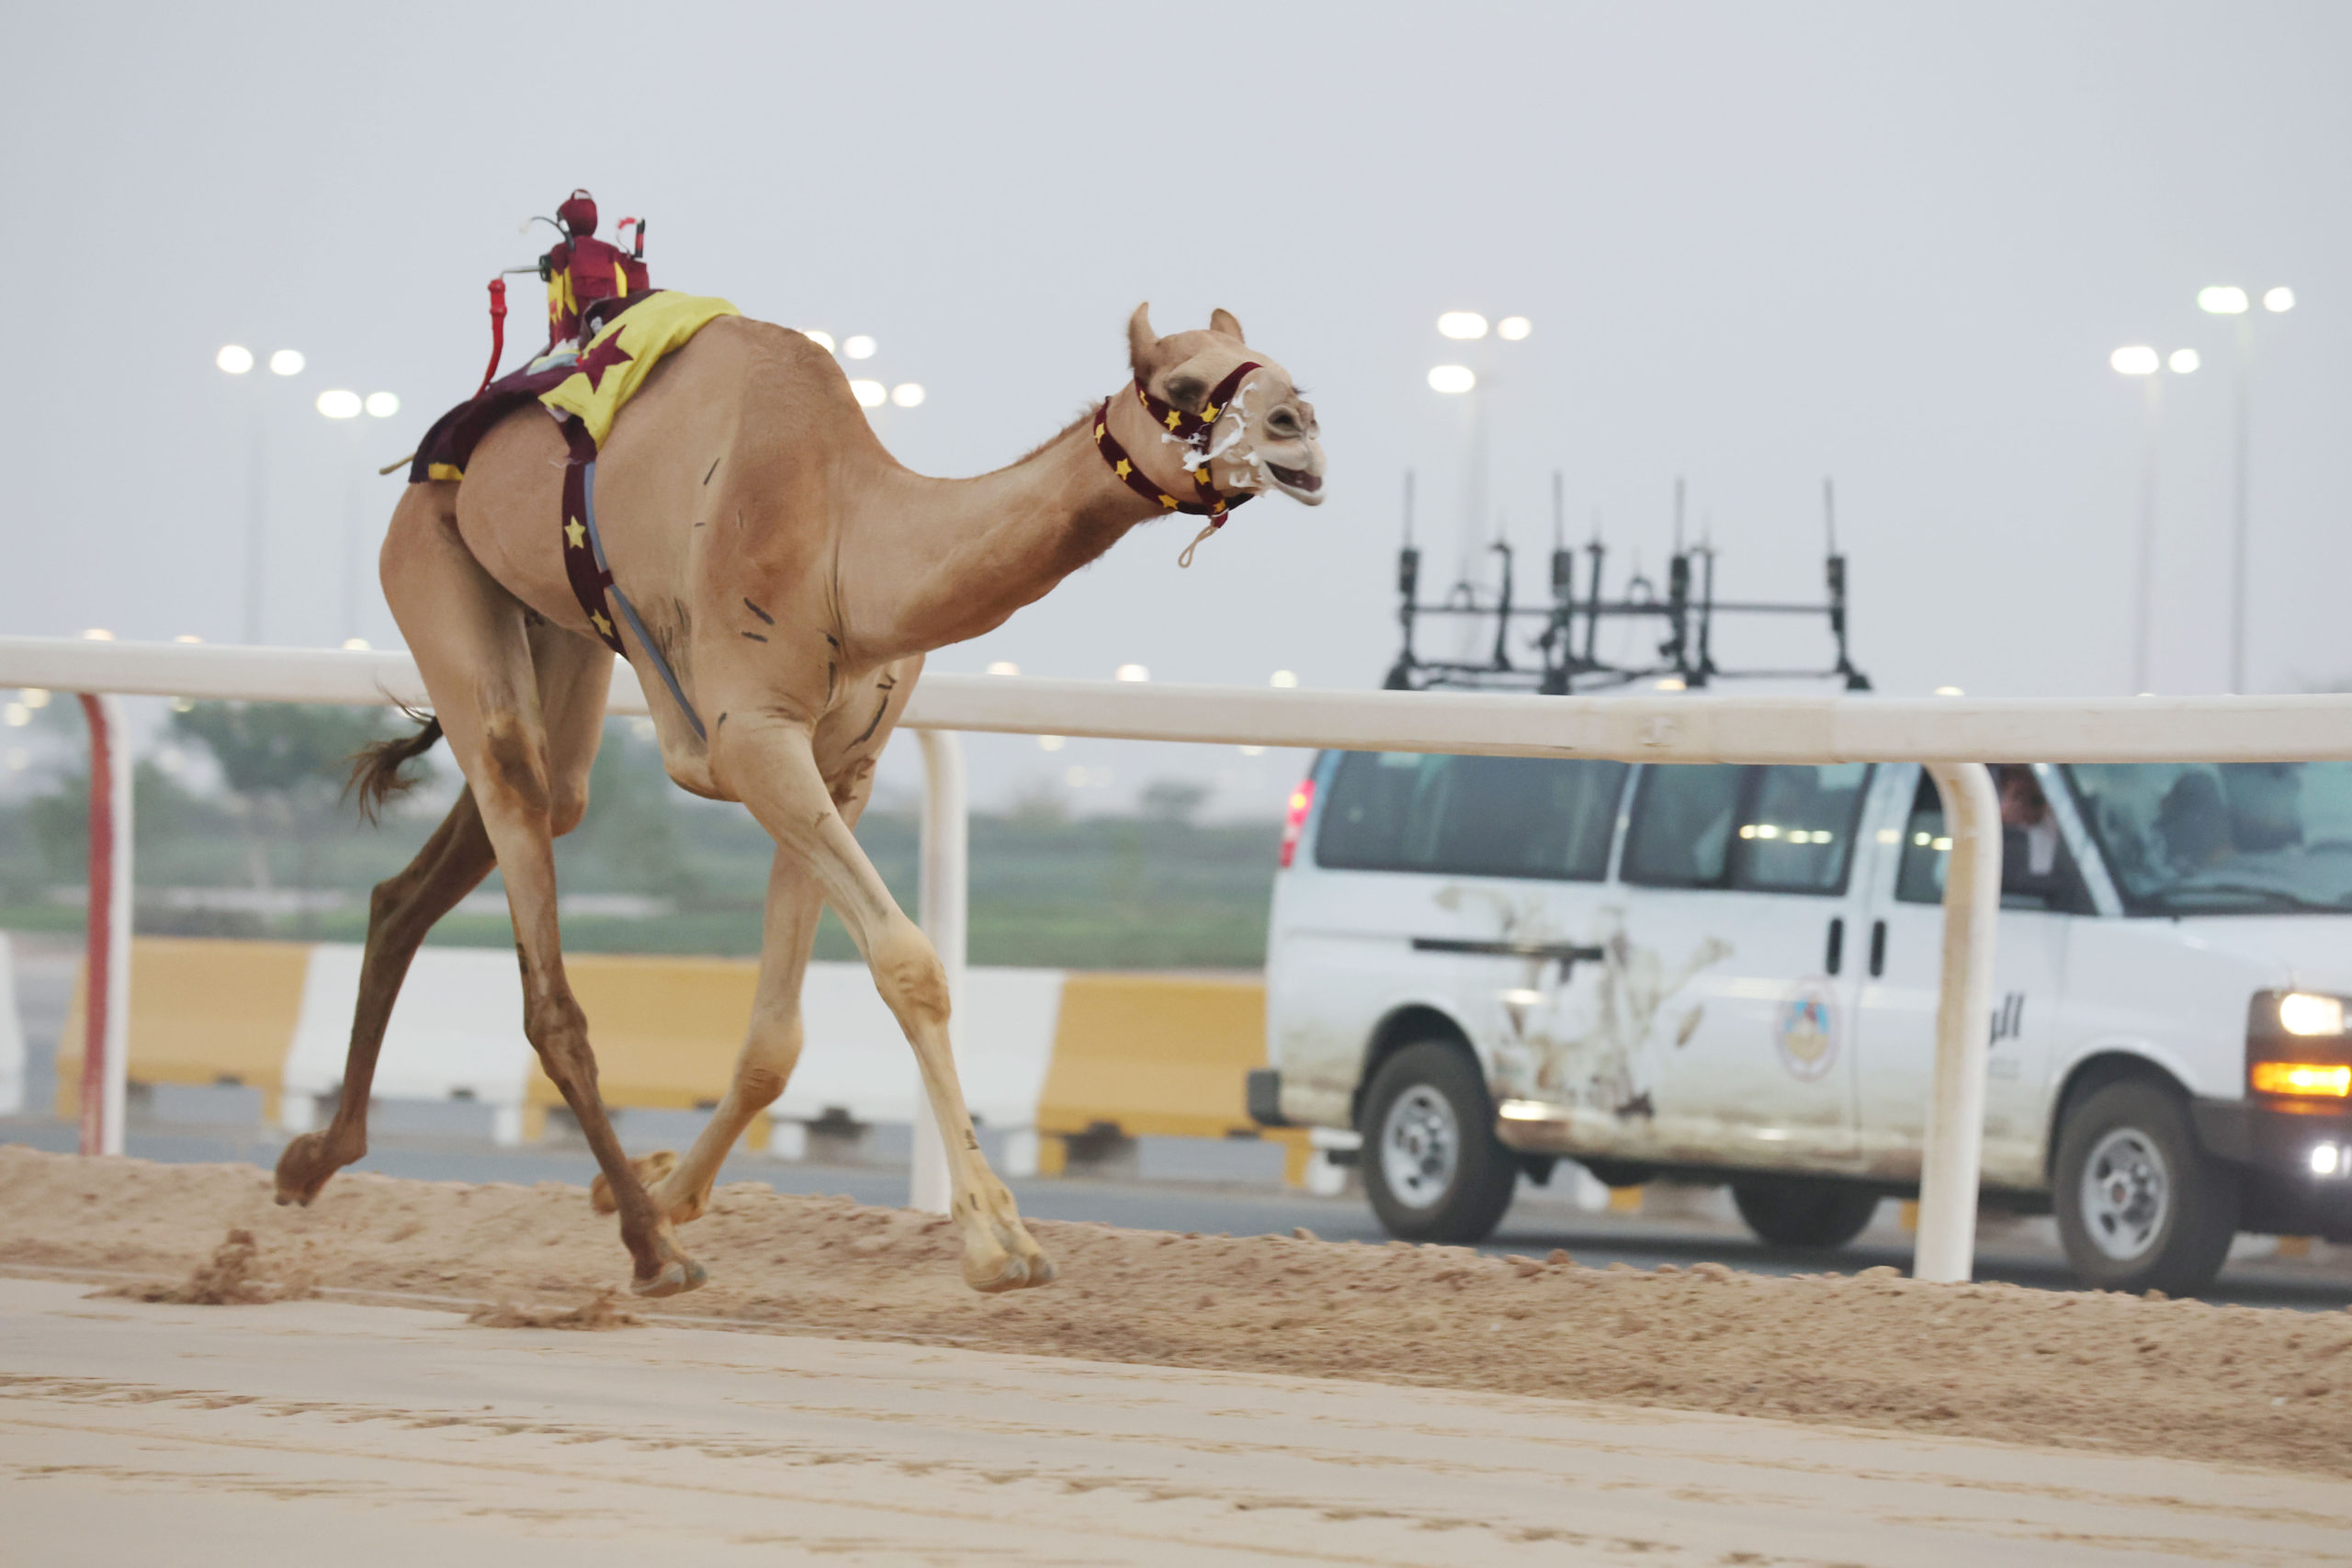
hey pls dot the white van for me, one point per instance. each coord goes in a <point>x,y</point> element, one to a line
<point>1728,974</point>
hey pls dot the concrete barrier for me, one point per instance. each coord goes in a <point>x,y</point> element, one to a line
<point>1046,1056</point>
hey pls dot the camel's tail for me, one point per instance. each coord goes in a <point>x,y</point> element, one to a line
<point>376,776</point>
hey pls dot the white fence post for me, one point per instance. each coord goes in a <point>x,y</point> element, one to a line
<point>946,858</point>
<point>1946,1248</point>
<point>105,966</point>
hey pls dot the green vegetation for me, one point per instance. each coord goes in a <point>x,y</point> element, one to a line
<point>1159,890</point>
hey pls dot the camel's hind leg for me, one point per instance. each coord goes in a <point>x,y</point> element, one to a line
<point>771,1047</point>
<point>768,761</point>
<point>486,668</point>
<point>452,864</point>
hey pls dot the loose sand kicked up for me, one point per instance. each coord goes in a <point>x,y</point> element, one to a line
<point>2237,1384</point>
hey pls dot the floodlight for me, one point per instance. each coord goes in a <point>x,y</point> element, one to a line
<point>340,403</point>
<point>907,394</point>
<point>859,347</point>
<point>383,405</point>
<point>2137,360</point>
<point>2278,301</point>
<point>1513,328</point>
<point>869,394</point>
<point>822,339</point>
<point>287,362</point>
<point>2221,301</point>
<point>236,359</point>
<point>1462,326</point>
<point>1453,378</point>
<point>1131,672</point>
<point>2184,361</point>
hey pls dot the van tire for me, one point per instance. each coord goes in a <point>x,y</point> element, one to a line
<point>2165,1210</point>
<point>1430,1162</point>
<point>1792,1211</point>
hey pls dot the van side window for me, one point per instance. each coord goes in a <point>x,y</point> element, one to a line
<point>1533,817</point>
<point>2033,877</point>
<point>1762,830</point>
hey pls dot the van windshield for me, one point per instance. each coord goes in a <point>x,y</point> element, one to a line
<point>2223,838</point>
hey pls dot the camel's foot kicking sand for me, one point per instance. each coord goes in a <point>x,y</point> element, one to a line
<point>784,579</point>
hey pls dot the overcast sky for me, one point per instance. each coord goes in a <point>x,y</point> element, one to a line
<point>1759,245</point>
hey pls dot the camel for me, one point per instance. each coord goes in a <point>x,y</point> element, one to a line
<point>795,576</point>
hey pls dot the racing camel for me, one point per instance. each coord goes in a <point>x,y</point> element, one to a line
<point>792,576</point>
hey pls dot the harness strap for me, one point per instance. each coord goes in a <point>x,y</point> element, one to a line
<point>1192,429</point>
<point>591,576</point>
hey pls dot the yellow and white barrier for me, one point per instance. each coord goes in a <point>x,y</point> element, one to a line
<point>1043,1055</point>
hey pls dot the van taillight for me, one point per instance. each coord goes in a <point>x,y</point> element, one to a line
<point>1302,800</point>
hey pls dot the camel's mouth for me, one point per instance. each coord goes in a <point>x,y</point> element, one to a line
<point>1298,479</point>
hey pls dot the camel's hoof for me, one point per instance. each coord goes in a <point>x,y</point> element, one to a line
<point>652,1168</point>
<point>677,1277</point>
<point>1042,1270</point>
<point>995,1277</point>
<point>299,1177</point>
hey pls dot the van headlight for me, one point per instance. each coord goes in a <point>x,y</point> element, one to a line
<point>2296,1047</point>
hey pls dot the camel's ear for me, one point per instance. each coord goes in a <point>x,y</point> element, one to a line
<point>1141,339</point>
<point>1221,321</point>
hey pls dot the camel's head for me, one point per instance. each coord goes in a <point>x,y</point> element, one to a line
<point>1262,436</point>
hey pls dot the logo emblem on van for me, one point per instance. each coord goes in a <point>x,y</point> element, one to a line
<point>1805,1031</point>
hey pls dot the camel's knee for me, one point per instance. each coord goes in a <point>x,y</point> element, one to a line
<point>767,1062</point>
<point>567,804</point>
<point>907,973</point>
<point>514,762</point>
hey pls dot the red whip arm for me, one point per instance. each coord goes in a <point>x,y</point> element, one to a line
<point>497,332</point>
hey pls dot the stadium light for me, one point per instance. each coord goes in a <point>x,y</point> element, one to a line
<point>1462,326</point>
<point>339,402</point>
<point>383,405</point>
<point>2221,301</point>
<point>907,394</point>
<point>287,362</point>
<point>2184,361</point>
<point>1510,329</point>
<point>1453,378</point>
<point>236,359</point>
<point>2278,302</point>
<point>859,347</point>
<point>2138,359</point>
<point>869,394</point>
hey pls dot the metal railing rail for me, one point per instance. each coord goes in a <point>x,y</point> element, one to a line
<point>1955,736</point>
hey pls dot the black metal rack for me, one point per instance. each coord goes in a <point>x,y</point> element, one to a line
<point>1563,656</point>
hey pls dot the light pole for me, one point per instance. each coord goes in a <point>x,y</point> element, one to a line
<point>345,406</point>
<point>2140,360</point>
<point>235,360</point>
<point>2226,299</point>
<point>1462,382</point>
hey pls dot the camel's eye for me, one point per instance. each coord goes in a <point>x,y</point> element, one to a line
<point>1187,391</point>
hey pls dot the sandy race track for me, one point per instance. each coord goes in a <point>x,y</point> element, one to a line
<point>1172,1399</point>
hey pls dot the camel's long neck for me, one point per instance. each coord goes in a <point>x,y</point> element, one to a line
<point>928,562</point>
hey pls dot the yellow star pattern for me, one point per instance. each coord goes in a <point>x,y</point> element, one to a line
<point>575,531</point>
<point>1168,500</point>
<point>1124,469</point>
<point>1174,419</point>
<point>603,626</point>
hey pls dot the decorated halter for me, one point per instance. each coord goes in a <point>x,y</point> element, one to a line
<point>1193,431</point>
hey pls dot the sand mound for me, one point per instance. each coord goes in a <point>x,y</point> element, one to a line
<point>230,1277</point>
<point>2085,1369</point>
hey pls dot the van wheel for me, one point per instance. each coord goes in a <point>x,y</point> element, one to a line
<point>1814,1214</point>
<point>1430,1162</point>
<point>2141,1205</point>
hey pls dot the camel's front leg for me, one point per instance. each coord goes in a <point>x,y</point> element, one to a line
<point>768,762</point>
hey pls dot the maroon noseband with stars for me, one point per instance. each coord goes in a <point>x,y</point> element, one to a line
<point>1193,429</point>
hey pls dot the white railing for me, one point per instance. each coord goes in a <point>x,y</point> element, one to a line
<point>1955,737</point>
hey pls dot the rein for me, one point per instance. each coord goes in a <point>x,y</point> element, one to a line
<point>1193,431</point>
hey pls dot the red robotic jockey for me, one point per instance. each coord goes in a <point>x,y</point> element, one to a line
<point>583,269</point>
